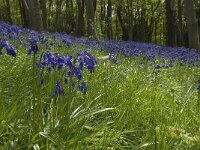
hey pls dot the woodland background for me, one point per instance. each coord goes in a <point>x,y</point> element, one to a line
<point>165,22</point>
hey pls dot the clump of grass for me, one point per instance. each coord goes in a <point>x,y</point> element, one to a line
<point>135,102</point>
<point>129,105</point>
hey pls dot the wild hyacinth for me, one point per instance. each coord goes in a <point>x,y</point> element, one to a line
<point>68,66</point>
<point>33,46</point>
<point>127,48</point>
<point>58,90</point>
<point>11,50</point>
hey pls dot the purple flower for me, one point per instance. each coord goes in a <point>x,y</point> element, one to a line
<point>77,73</point>
<point>89,61</point>
<point>58,90</point>
<point>68,63</point>
<point>82,87</point>
<point>33,46</point>
<point>11,50</point>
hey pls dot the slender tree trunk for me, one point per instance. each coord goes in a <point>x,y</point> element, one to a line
<point>102,17</point>
<point>80,18</point>
<point>170,16</point>
<point>37,16</point>
<point>44,13</point>
<point>143,23</point>
<point>69,21</point>
<point>109,19</point>
<point>90,13</point>
<point>130,16</point>
<point>155,32</point>
<point>31,14</point>
<point>58,20</point>
<point>22,13</point>
<point>8,11</point>
<point>152,21</point>
<point>122,23</point>
<point>192,24</point>
<point>49,13</point>
<point>180,24</point>
<point>26,8</point>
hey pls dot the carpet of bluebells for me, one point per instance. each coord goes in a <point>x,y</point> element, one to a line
<point>56,94</point>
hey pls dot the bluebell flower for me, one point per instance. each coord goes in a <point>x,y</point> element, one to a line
<point>82,87</point>
<point>38,64</point>
<point>1,47</point>
<point>69,73</point>
<point>4,43</point>
<point>11,50</point>
<point>89,61</point>
<point>157,67</point>
<point>58,90</point>
<point>77,73</point>
<point>69,63</point>
<point>60,66</point>
<point>52,44</point>
<point>68,45</point>
<point>80,59</point>
<point>33,46</point>
<point>81,65</point>
<point>61,61</point>
<point>49,59</point>
<point>73,85</point>
<point>21,40</point>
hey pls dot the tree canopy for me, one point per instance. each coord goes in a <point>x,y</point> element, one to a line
<point>165,22</point>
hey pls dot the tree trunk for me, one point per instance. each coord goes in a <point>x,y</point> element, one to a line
<point>102,17</point>
<point>130,16</point>
<point>31,14</point>
<point>44,13</point>
<point>26,8</point>
<point>109,20</point>
<point>170,16</point>
<point>192,24</point>
<point>80,18</point>
<point>49,13</point>
<point>58,21</point>
<point>122,23</point>
<point>180,24</point>
<point>37,16</point>
<point>69,21</point>
<point>90,18</point>
<point>8,11</point>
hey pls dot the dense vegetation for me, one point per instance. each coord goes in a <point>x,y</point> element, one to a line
<point>56,94</point>
<point>165,22</point>
<point>88,74</point>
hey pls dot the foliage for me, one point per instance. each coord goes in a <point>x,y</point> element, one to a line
<point>147,98</point>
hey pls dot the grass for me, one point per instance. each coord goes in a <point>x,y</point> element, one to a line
<point>128,105</point>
